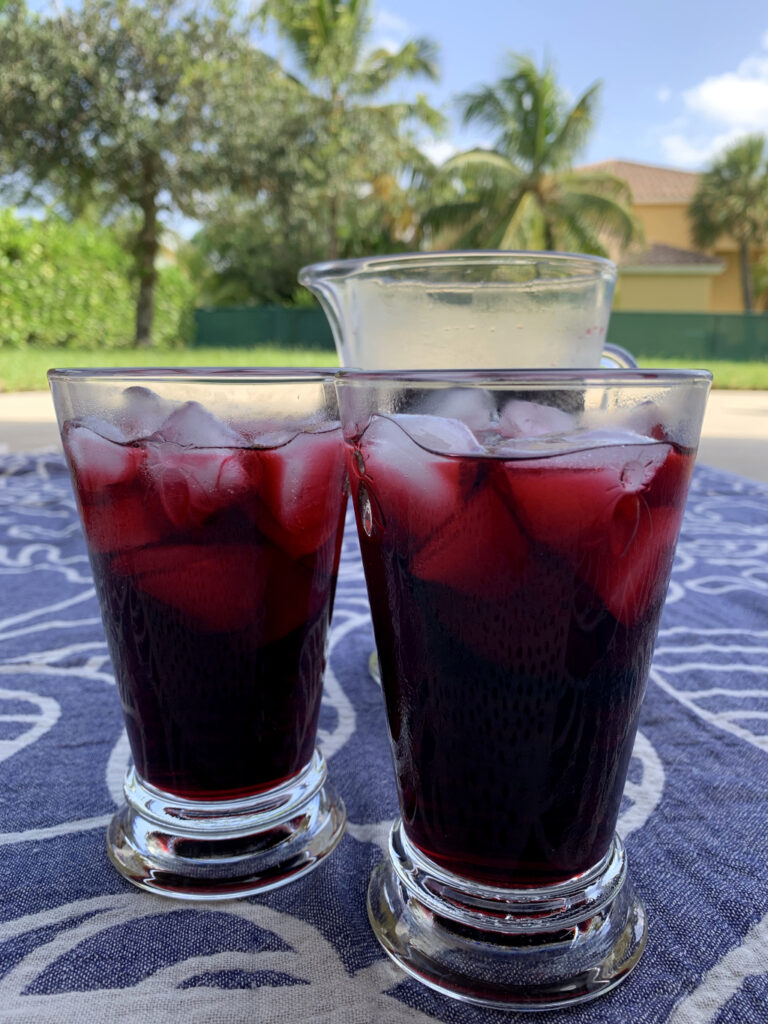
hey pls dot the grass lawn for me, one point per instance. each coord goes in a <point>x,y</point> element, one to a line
<point>731,376</point>
<point>24,369</point>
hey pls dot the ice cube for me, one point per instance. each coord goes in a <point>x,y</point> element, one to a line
<point>473,406</point>
<point>142,412</point>
<point>675,416</point>
<point>570,499</point>
<point>641,419</point>
<point>220,587</point>
<point>124,520</point>
<point>439,434</point>
<point>302,491</point>
<point>416,489</point>
<point>192,425</point>
<point>612,451</point>
<point>267,434</point>
<point>631,573</point>
<point>531,419</point>
<point>194,482</point>
<point>226,587</point>
<point>100,454</point>
<point>104,428</point>
<point>480,550</point>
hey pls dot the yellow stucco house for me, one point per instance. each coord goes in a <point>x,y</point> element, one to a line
<point>668,273</point>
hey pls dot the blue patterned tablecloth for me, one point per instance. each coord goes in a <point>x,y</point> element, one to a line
<point>78,943</point>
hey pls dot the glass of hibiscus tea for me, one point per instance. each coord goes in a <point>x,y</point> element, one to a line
<point>212,503</point>
<point>517,529</point>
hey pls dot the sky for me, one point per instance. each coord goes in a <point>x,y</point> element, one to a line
<point>680,79</point>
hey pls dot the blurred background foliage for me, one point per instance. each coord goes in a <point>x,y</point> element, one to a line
<point>70,284</point>
<point>154,158</point>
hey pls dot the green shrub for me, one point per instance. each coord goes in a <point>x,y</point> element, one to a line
<point>69,285</point>
<point>174,324</point>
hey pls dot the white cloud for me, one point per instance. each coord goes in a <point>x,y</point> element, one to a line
<point>439,152</point>
<point>682,151</point>
<point>386,21</point>
<point>390,31</point>
<point>719,110</point>
<point>737,98</point>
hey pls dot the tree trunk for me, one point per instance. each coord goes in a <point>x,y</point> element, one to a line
<point>333,230</point>
<point>337,113</point>
<point>146,258</point>
<point>747,285</point>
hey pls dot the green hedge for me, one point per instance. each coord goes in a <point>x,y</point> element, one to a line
<point>68,284</point>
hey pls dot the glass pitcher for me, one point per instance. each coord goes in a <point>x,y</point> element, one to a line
<point>469,310</point>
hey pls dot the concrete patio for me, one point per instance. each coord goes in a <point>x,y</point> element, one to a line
<point>734,438</point>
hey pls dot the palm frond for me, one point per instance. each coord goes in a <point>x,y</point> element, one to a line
<point>486,159</point>
<point>732,196</point>
<point>451,215</point>
<point>571,234</point>
<point>483,107</point>
<point>526,227</point>
<point>572,135</point>
<point>601,214</point>
<point>382,67</point>
<point>600,182</point>
<point>468,230</point>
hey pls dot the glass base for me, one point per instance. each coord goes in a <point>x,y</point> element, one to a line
<point>516,949</point>
<point>216,850</point>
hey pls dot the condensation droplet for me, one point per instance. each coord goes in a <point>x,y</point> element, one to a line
<point>366,512</point>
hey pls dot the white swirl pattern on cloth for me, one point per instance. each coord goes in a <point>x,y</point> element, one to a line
<point>77,942</point>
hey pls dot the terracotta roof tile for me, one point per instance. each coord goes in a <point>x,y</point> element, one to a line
<point>650,184</point>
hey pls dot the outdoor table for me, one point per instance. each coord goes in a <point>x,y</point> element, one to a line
<point>79,943</point>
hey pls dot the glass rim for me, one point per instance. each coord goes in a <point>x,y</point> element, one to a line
<point>565,379</point>
<point>192,374</point>
<point>594,265</point>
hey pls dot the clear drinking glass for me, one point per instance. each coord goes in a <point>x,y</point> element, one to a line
<point>468,310</point>
<point>213,503</point>
<point>517,530</point>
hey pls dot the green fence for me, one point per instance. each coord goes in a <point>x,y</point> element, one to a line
<point>687,336</point>
<point>245,326</point>
<point>740,337</point>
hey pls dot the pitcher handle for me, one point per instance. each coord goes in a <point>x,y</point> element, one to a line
<point>614,356</point>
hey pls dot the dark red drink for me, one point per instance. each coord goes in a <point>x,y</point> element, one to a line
<point>215,567</point>
<point>516,602</point>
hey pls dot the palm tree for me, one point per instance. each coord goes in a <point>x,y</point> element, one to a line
<point>354,138</point>
<point>523,193</point>
<point>732,199</point>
